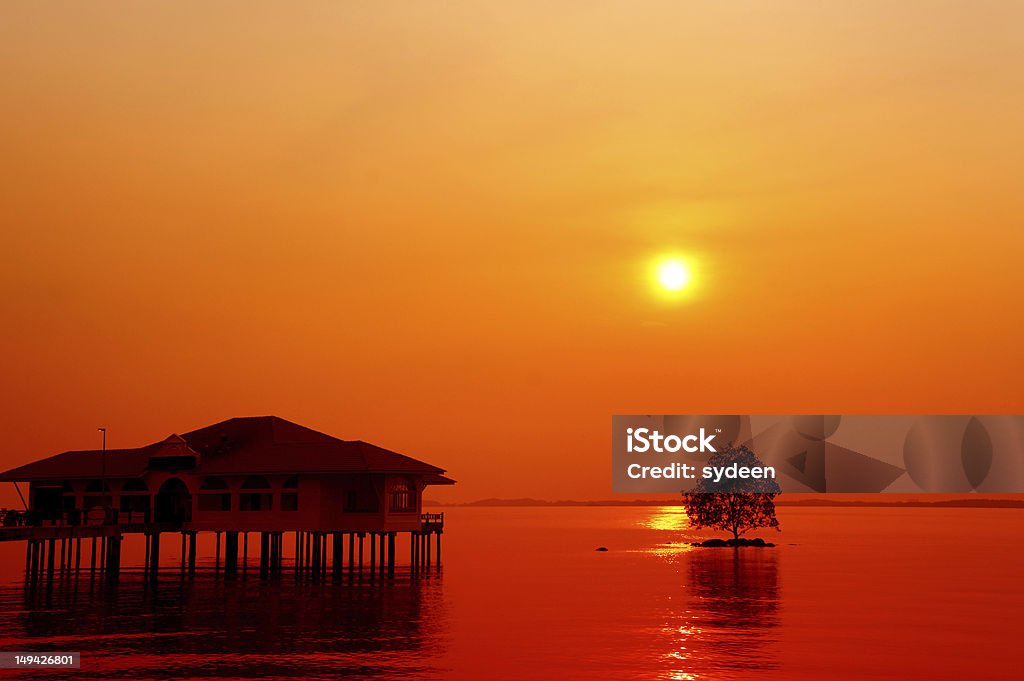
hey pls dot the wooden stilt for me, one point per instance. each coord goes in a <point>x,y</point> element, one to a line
<point>37,560</point>
<point>373,554</point>
<point>336,559</point>
<point>314,565</point>
<point>231,553</point>
<point>50,558</point>
<point>112,567</point>
<point>323,558</point>
<point>351,554</point>
<point>192,541</point>
<point>264,557</point>
<point>154,559</point>
<point>391,554</point>
<point>361,537</point>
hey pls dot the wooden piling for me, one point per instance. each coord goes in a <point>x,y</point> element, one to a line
<point>39,558</point>
<point>351,554</point>
<point>315,564</point>
<point>323,558</point>
<point>231,553</point>
<point>112,562</point>
<point>191,553</point>
<point>154,558</point>
<point>264,557</point>
<point>336,559</point>
<point>373,554</point>
<point>391,554</point>
<point>361,537</point>
<point>50,556</point>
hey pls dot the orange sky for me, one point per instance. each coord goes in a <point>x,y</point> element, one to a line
<point>430,227</point>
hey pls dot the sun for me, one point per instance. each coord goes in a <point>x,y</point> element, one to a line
<point>673,275</point>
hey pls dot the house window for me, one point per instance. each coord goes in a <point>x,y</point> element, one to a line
<point>214,496</point>
<point>69,498</point>
<point>255,495</point>
<point>402,497</point>
<point>215,502</point>
<point>255,501</point>
<point>97,493</point>
<point>290,494</point>
<point>361,498</point>
<point>135,502</point>
<point>213,484</point>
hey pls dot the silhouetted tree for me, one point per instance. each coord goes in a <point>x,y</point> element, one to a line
<point>734,504</point>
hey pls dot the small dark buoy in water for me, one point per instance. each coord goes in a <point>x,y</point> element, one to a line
<point>601,548</point>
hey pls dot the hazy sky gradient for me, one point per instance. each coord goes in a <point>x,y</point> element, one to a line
<point>428,225</point>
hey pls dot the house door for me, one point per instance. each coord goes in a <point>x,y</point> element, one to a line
<point>173,502</point>
<point>49,502</point>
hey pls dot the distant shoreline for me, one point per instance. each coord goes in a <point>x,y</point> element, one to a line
<point>532,503</point>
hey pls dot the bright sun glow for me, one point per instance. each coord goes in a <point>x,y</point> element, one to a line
<point>673,275</point>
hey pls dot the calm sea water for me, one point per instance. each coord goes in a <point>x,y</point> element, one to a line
<point>847,594</point>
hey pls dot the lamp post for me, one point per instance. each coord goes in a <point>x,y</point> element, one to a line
<point>103,468</point>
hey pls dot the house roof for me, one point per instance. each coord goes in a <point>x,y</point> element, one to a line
<point>238,446</point>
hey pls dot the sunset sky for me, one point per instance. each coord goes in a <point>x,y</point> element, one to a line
<point>432,226</point>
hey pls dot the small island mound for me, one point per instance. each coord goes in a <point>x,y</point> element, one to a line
<point>731,543</point>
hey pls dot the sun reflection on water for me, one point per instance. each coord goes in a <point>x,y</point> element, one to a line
<point>683,655</point>
<point>668,518</point>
